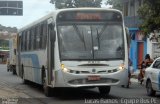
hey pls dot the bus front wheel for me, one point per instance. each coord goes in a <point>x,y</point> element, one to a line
<point>46,89</point>
<point>104,90</point>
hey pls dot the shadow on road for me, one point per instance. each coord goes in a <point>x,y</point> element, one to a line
<point>79,94</point>
<point>72,93</point>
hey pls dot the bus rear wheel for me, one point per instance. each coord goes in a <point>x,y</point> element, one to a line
<point>24,81</point>
<point>14,70</point>
<point>104,90</point>
<point>46,89</point>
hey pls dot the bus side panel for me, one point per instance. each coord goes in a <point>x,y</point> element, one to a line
<point>33,63</point>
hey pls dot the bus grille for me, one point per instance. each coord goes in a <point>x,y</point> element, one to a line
<point>87,72</point>
<point>86,81</point>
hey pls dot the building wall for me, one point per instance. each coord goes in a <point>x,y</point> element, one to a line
<point>3,56</point>
<point>153,45</point>
<point>130,7</point>
<point>149,49</point>
<point>138,48</point>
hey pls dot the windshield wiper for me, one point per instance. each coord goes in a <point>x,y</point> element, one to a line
<point>80,36</point>
<point>83,40</point>
<point>98,39</point>
<point>101,32</point>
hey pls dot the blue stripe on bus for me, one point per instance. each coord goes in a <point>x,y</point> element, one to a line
<point>36,66</point>
<point>159,80</point>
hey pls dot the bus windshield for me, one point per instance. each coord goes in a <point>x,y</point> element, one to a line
<point>86,41</point>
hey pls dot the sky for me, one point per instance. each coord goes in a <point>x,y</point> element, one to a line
<point>32,10</point>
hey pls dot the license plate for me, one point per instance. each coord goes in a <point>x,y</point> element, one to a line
<point>93,78</point>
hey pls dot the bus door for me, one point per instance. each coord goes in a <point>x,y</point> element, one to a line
<point>50,52</point>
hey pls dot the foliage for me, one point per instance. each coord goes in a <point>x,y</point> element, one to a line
<point>150,15</point>
<point>59,4</point>
<point>9,29</point>
<point>4,44</point>
<point>116,4</point>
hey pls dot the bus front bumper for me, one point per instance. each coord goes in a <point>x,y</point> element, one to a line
<point>90,80</point>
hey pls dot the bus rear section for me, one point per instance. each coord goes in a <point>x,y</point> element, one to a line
<point>11,65</point>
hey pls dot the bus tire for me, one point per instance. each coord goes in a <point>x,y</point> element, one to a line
<point>150,91</point>
<point>104,90</point>
<point>8,69</point>
<point>46,89</point>
<point>24,81</point>
<point>14,70</point>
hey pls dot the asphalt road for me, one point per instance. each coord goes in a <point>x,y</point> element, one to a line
<point>12,91</point>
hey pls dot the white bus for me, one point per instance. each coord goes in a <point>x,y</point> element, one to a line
<point>80,47</point>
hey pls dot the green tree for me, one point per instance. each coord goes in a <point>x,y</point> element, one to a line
<point>116,4</point>
<point>59,4</point>
<point>149,13</point>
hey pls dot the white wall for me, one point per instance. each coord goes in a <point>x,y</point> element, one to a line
<point>149,47</point>
<point>153,47</point>
<point>133,7</point>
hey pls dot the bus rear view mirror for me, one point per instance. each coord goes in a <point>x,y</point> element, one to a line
<point>52,32</point>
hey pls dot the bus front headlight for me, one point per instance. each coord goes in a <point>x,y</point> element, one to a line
<point>121,67</point>
<point>64,68</point>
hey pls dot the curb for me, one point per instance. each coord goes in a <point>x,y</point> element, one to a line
<point>134,80</point>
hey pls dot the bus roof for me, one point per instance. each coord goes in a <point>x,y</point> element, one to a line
<point>55,12</point>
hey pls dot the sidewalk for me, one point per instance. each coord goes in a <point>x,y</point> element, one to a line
<point>134,76</point>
